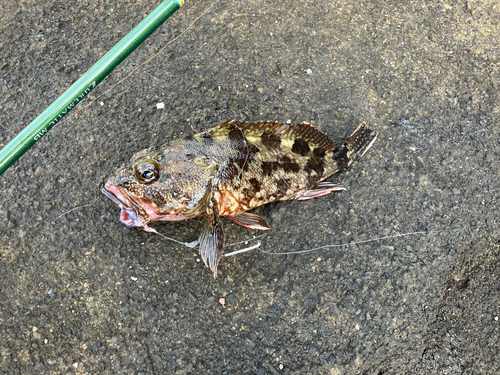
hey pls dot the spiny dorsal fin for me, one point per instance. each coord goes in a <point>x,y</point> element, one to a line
<point>249,129</point>
<point>269,129</point>
<point>309,134</point>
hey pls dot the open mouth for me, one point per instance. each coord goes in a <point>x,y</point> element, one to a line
<point>128,215</point>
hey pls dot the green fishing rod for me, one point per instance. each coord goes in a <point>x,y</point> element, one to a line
<point>81,88</point>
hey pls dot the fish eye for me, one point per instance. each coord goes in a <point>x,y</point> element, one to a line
<point>147,175</point>
<point>147,171</point>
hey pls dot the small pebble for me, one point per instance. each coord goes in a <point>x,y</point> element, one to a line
<point>160,105</point>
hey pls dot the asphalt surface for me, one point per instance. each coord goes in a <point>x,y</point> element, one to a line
<point>81,294</point>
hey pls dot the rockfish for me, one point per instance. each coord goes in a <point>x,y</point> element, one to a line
<point>228,170</point>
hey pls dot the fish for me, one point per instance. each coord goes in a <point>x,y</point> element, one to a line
<point>226,171</point>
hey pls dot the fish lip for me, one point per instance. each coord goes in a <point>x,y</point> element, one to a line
<point>114,198</point>
<point>130,214</point>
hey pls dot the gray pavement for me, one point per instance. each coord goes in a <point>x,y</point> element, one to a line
<point>81,294</point>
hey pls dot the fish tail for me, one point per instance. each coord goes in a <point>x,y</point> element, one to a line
<point>358,143</point>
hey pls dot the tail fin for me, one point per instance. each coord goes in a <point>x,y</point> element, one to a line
<point>358,143</point>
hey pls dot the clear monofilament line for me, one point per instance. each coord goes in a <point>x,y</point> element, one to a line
<point>256,246</point>
<point>374,239</point>
<point>191,245</point>
<point>245,241</point>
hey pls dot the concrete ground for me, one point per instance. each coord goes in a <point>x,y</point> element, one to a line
<point>81,294</point>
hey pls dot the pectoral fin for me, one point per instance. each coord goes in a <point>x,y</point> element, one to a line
<point>202,204</point>
<point>323,188</point>
<point>212,238</point>
<point>249,220</point>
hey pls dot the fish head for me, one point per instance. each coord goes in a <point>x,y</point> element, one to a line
<point>145,190</point>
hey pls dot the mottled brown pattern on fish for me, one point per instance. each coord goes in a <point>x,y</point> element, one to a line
<point>315,165</point>
<point>290,161</point>
<point>228,170</point>
<point>271,141</point>
<point>255,184</point>
<point>288,165</point>
<point>282,187</point>
<point>318,152</point>
<point>300,147</point>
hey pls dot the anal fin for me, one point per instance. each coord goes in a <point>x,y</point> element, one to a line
<point>323,188</point>
<point>212,238</point>
<point>249,220</point>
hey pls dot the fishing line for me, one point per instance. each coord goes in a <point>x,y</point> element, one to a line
<point>352,243</point>
<point>75,208</point>
<point>245,241</point>
<point>257,246</point>
<point>193,244</point>
<point>379,239</point>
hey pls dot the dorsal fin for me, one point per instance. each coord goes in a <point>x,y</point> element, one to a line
<point>250,129</point>
<point>304,131</point>
<point>309,134</point>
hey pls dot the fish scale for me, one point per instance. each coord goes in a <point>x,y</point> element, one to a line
<point>226,171</point>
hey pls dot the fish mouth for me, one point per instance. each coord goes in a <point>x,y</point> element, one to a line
<point>130,214</point>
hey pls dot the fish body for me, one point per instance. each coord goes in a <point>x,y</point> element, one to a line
<point>226,171</point>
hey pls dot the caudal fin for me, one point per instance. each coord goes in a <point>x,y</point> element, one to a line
<point>358,143</point>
